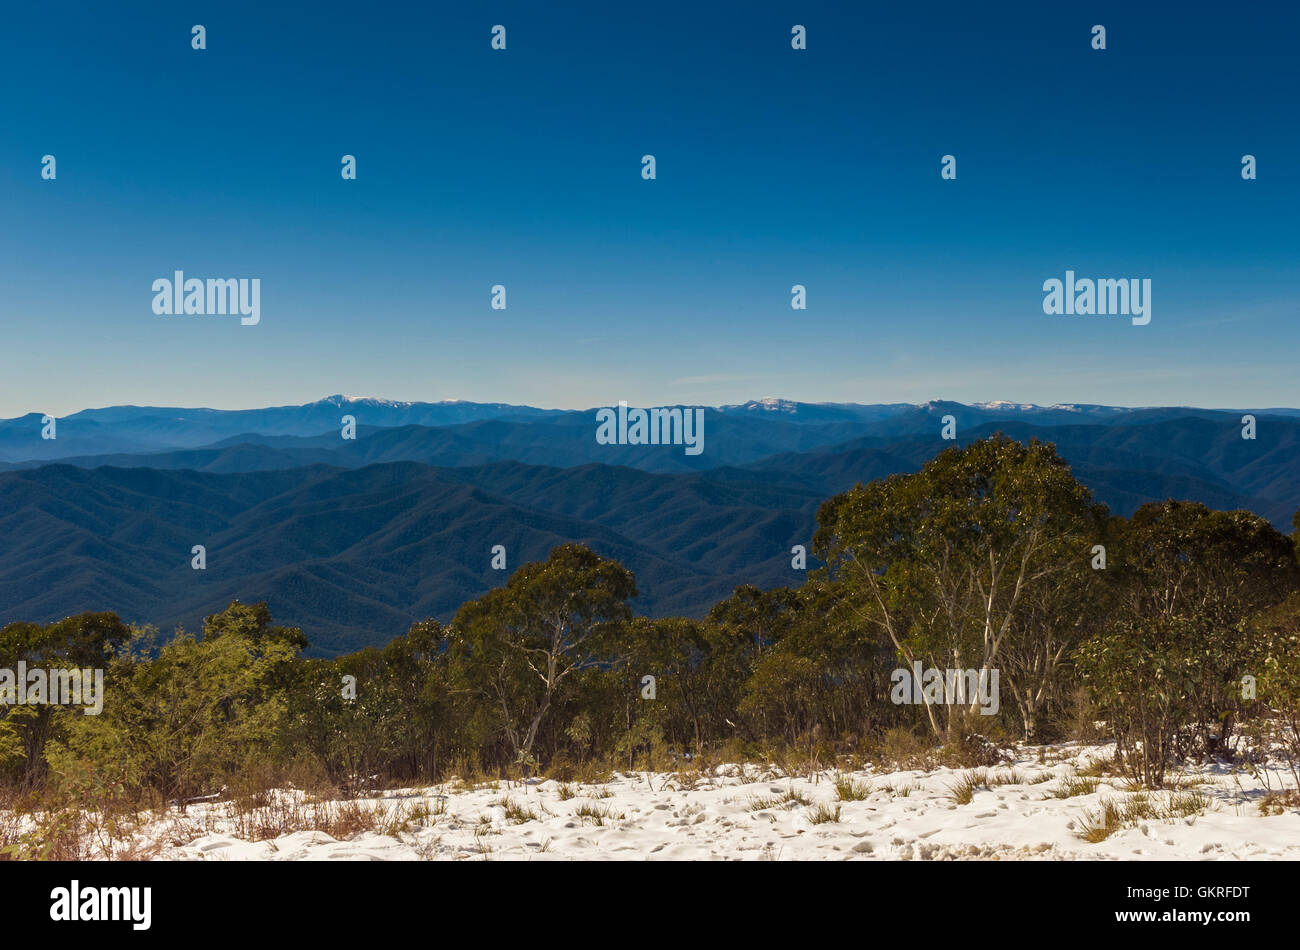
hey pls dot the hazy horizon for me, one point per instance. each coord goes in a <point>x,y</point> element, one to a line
<point>982,403</point>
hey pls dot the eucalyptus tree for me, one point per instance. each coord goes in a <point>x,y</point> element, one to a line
<point>519,645</point>
<point>943,561</point>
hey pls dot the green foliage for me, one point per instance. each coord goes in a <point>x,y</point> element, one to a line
<point>981,560</point>
<point>1182,557</point>
<point>183,721</point>
<point>1167,668</point>
<point>946,563</point>
<point>1277,633</point>
<point>520,645</point>
<point>86,641</point>
<point>1145,676</point>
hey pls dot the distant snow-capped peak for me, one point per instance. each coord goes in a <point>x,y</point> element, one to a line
<point>1008,404</point>
<point>339,399</point>
<point>770,404</point>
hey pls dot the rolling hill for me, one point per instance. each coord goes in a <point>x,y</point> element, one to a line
<point>354,540</point>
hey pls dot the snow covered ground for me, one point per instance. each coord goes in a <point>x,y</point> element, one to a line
<point>752,813</point>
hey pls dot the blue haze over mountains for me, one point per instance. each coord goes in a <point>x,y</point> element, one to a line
<point>354,540</point>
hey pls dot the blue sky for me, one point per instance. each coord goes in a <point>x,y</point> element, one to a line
<point>522,168</point>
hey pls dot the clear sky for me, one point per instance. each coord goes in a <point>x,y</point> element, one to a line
<point>523,167</point>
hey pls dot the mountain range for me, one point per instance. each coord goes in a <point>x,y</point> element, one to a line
<point>353,539</point>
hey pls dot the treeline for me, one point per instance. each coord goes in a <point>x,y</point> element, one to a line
<point>1178,630</point>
